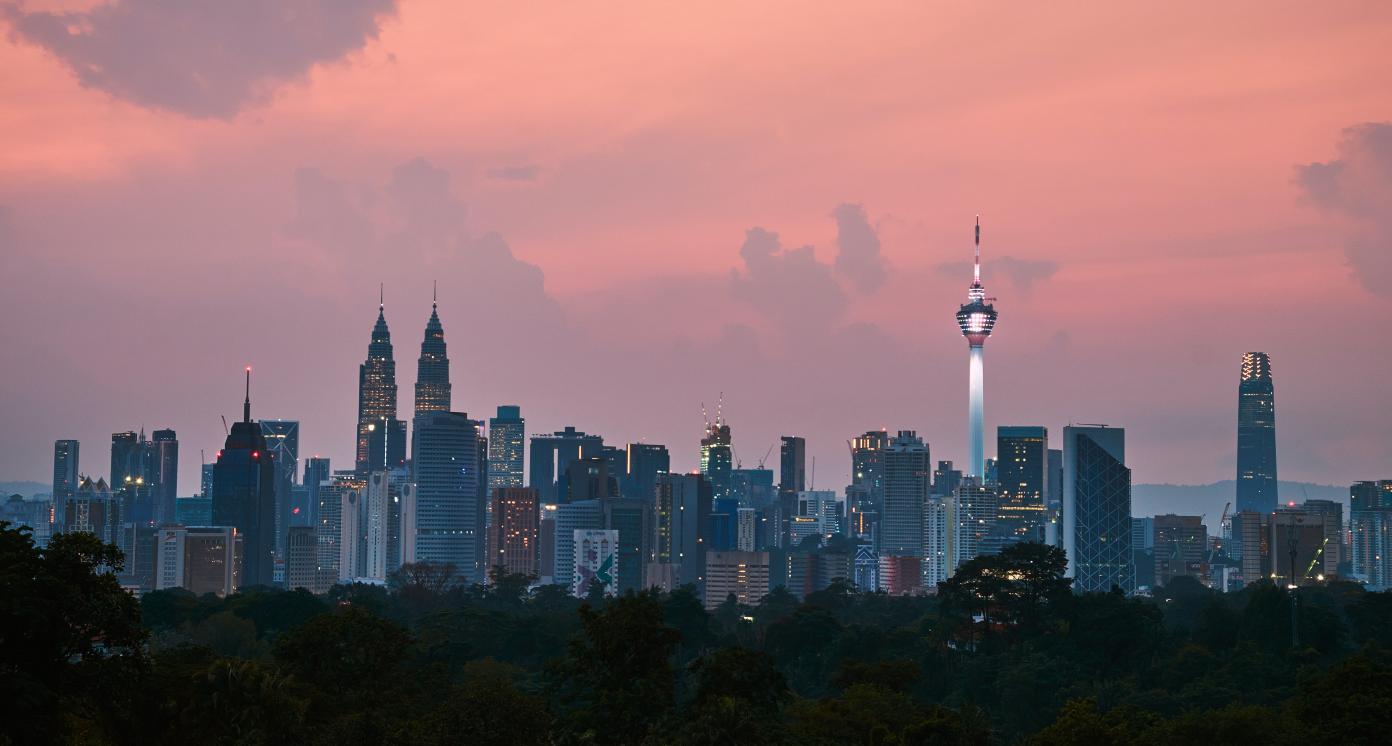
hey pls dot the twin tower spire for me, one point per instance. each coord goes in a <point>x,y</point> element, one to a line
<point>377,393</point>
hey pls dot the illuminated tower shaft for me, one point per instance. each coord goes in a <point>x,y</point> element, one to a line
<point>976,404</point>
<point>976,318</point>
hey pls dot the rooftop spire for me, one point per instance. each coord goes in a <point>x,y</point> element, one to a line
<point>976,267</point>
<point>434,292</point>
<point>381,295</point>
<point>246,405</point>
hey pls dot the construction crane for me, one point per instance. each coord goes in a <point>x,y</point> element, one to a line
<point>1212,550</point>
<point>767,453</point>
<point>225,429</point>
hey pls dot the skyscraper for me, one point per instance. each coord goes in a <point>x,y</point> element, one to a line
<point>645,462</point>
<point>513,535</point>
<point>907,469</point>
<point>1022,479</point>
<point>283,442</point>
<point>792,464</point>
<point>449,500</point>
<point>1256,436</point>
<point>1097,509</point>
<point>1370,521</point>
<point>65,478</point>
<point>551,457</point>
<point>681,518</point>
<point>977,319</point>
<point>717,456</point>
<point>244,481</point>
<point>164,472</point>
<point>125,458</point>
<point>507,434</point>
<point>376,388</point>
<point>432,372</point>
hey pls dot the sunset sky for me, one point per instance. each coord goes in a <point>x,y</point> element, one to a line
<point>633,207</point>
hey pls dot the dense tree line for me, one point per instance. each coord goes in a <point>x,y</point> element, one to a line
<point>1005,653</point>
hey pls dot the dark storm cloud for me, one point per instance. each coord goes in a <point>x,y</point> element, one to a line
<point>1358,186</point>
<point>202,58</point>
<point>1020,273</point>
<point>858,255</point>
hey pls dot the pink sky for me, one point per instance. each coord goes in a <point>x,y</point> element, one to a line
<point>183,195</point>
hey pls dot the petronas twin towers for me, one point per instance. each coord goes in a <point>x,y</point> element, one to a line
<point>381,437</point>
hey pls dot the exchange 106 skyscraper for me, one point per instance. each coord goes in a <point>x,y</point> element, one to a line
<point>977,319</point>
<point>1256,436</point>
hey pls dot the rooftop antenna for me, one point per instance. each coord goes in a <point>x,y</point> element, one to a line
<point>246,405</point>
<point>976,268</point>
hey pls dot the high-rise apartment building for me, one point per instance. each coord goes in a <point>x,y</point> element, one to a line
<point>1097,509</point>
<point>1180,548</point>
<point>244,484</point>
<point>513,536</point>
<point>206,559</point>
<point>1370,523</point>
<point>907,470</point>
<point>1256,436</point>
<point>450,479</point>
<point>376,391</point>
<point>744,575</point>
<point>302,559</point>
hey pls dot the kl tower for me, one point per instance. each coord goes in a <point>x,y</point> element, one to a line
<point>976,318</point>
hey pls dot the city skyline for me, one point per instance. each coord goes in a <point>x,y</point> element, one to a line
<point>663,244</point>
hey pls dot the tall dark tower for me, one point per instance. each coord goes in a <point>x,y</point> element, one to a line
<point>244,481</point>
<point>977,319</point>
<point>376,386</point>
<point>1256,436</point>
<point>432,372</point>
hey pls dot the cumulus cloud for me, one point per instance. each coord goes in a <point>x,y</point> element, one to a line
<point>858,256</point>
<point>1021,274</point>
<point>202,58</point>
<point>415,223</point>
<point>1357,186</point>
<point>788,285</point>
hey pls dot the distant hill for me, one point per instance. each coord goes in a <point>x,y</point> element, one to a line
<point>1208,499</point>
<point>25,488</point>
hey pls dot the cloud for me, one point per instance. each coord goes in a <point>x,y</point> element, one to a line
<point>1022,274</point>
<point>858,245</point>
<point>515,173</point>
<point>788,285</point>
<point>1358,187</point>
<point>416,226</point>
<point>201,58</point>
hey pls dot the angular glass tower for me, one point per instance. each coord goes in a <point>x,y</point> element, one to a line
<point>1097,509</point>
<point>1256,436</point>
<point>376,387</point>
<point>977,319</point>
